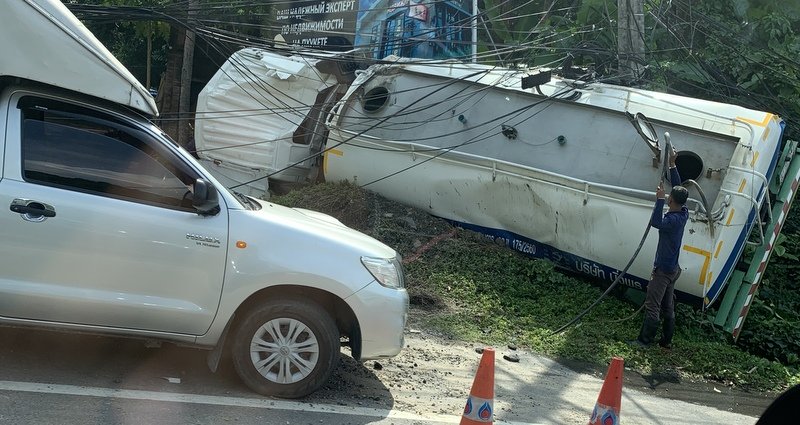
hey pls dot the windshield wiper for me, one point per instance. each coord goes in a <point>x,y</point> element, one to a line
<point>249,203</point>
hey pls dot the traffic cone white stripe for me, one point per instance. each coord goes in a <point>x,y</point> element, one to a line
<point>479,409</point>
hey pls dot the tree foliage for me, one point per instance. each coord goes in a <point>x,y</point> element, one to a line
<point>733,51</point>
<point>125,26</point>
<point>745,52</point>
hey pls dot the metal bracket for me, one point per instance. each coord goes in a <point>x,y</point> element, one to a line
<point>585,193</point>
<point>509,131</point>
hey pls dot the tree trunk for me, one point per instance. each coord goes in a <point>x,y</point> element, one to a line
<point>149,53</point>
<point>169,94</point>
<point>184,128</point>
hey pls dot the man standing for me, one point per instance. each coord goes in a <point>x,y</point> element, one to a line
<point>660,300</point>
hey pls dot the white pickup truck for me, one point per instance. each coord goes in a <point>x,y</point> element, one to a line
<point>109,227</point>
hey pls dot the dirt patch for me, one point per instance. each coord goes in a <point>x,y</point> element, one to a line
<point>673,385</point>
<point>433,376</point>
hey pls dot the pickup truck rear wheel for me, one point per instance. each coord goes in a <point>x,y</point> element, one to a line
<point>286,348</point>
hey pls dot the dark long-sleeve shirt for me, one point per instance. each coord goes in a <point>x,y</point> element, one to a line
<point>670,230</point>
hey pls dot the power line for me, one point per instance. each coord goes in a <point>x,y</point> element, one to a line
<point>216,36</point>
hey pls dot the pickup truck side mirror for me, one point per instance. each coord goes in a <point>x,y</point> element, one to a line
<point>206,198</point>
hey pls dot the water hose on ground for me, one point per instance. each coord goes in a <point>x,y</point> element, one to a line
<point>610,288</point>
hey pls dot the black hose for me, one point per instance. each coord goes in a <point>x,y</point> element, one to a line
<point>664,171</point>
<point>610,288</point>
<point>706,206</point>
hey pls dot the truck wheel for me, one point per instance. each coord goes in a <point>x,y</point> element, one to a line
<point>286,348</point>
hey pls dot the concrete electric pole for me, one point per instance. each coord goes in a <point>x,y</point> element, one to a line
<point>630,37</point>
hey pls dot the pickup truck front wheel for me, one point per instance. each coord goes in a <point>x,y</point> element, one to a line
<point>286,348</point>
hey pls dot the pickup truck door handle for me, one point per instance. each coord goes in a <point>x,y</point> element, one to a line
<point>32,210</point>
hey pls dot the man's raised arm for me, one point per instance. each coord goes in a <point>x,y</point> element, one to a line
<point>674,177</point>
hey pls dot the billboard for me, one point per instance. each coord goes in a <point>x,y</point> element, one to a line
<point>427,29</point>
<point>328,25</point>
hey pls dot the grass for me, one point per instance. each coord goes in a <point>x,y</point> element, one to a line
<point>468,288</point>
<point>498,296</point>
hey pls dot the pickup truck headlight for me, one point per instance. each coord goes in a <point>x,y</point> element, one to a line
<point>388,272</point>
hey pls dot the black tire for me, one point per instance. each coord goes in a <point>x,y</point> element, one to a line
<point>280,315</point>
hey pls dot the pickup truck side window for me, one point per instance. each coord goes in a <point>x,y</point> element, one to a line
<point>87,154</point>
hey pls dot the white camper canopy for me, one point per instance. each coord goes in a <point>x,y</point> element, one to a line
<point>43,41</point>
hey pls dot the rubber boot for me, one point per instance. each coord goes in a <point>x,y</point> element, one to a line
<point>667,332</point>
<point>647,334</point>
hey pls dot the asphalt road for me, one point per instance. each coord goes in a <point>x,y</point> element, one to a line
<point>58,378</point>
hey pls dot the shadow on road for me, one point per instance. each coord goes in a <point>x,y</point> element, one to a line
<point>38,356</point>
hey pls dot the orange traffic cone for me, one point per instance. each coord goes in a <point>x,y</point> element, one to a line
<point>606,411</point>
<point>480,404</point>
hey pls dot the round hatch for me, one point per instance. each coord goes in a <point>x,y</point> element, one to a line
<point>375,99</point>
<point>690,165</point>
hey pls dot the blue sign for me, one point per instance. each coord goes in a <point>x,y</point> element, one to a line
<point>425,29</point>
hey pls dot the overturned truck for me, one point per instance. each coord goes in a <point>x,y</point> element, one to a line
<point>553,167</point>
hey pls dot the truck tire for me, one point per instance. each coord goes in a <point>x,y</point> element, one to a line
<point>286,348</point>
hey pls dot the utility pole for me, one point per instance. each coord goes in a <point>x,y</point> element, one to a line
<point>149,54</point>
<point>630,38</point>
<point>475,31</point>
<point>184,131</point>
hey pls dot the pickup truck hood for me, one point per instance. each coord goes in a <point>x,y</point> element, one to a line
<point>318,225</point>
